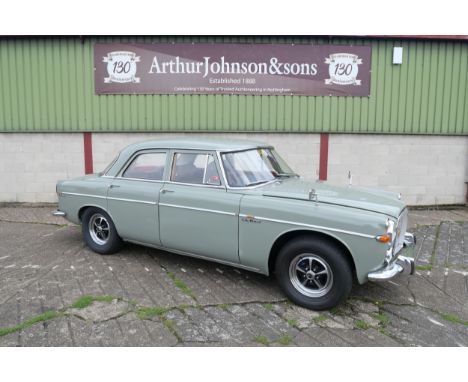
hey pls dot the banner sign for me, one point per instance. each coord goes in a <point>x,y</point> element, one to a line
<point>256,69</point>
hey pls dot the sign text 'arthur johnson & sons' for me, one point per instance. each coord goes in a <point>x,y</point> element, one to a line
<point>258,69</point>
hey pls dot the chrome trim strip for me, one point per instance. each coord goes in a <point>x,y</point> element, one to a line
<point>88,195</point>
<point>132,200</point>
<point>59,213</point>
<point>310,226</point>
<point>206,165</point>
<point>110,198</point>
<point>220,162</point>
<point>195,184</point>
<point>140,179</point>
<point>199,209</point>
<point>211,259</point>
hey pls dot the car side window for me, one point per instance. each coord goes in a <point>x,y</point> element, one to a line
<point>148,166</point>
<point>195,168</point>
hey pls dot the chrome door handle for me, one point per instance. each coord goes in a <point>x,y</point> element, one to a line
<point>113,186</point>
<point>164,191</point>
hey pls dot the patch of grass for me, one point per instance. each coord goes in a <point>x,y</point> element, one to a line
<point>261,340</point>
<point>86,300</point>
<point>268,306</point>
<point>46,316</point>
<point>224,306</point>
<point>285,339</point>
<point>378,303</point>
<point>384,332</point>
<point>170,325</point>
<point>427,267</point>
<point>144,313</point>
<point>383,319</point>
<point>320,318</point>
<point>361,324</point>
<point>181,285</point>
<point>83,302</point>
<point>293,323</point>
<point>454,318</point>
<point>335,310</point>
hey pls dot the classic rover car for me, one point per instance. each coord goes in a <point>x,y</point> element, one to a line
<point>239,203</point>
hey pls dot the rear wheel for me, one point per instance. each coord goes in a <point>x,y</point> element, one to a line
<point>313,273</point>
<point>99,232</point>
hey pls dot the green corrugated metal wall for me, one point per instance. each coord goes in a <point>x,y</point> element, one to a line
<point>47,86</point>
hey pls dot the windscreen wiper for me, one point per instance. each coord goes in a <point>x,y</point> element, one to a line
<point>257,183</point>
<point>285,174</point>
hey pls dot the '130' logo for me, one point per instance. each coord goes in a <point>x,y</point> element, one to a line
<point>343,69</point>
<point>121,67</point>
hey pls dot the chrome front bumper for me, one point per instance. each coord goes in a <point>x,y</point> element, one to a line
<point>402,264</point>
<point>59,213</point>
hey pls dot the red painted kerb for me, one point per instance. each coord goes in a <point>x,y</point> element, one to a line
<point>323,164</point>
<point>88,152</point>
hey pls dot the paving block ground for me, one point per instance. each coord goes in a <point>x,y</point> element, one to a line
<point>54,291</point>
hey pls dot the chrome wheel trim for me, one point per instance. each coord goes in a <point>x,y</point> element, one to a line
<point>310,275</point>
<point>99,229</point>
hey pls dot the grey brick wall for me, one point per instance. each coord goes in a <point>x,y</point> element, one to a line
<point>425,169</point>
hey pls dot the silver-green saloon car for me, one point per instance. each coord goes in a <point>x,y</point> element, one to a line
<point>239,203</point>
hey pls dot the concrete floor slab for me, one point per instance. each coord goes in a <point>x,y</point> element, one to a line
<point>161,299</point>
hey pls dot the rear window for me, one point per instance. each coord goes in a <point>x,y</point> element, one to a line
<point>148,166</point>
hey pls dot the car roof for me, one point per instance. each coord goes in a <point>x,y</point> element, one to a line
<point>184,143</point>
<point>189,143</point>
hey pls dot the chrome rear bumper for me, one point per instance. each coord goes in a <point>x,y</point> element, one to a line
<point>59,213</point>
<point>402,264</point>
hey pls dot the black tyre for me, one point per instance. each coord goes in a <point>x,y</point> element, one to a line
<point>99,232</point>
<point>314,273</point>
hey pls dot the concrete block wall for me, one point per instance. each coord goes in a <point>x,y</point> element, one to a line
<point>427,170</point>
<point>31,164</point>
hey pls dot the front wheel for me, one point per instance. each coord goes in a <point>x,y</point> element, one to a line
<point>99,232</point>
<point>314,273</point>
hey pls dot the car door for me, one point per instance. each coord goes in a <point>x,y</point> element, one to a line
<point>197,215</point>
<point>133,197</point>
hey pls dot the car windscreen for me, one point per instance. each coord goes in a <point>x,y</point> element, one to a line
<point>252,167</point>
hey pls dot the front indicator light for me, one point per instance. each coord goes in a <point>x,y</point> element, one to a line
<point>384,238</point>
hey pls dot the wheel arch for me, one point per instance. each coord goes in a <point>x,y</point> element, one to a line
<point>287,236</point>
<point>113,242</point>
<point>85,207</point>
